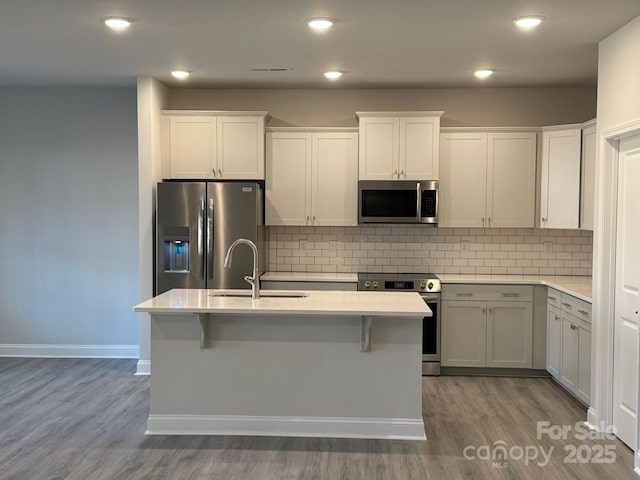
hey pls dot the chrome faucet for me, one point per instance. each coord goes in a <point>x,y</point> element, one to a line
<point>254,281</point>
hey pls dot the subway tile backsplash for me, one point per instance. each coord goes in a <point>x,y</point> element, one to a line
<point>417,248</point>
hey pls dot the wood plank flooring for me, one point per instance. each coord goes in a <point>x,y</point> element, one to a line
<point>85,419</point>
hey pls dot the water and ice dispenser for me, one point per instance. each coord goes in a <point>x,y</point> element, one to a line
<point>176,249</point>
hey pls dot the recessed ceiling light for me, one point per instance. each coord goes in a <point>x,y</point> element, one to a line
<point>117,23</point>
<point>528,21</point>
<point>333,75</point>
<point>180,74</point>
<point>320,23</point>
<point>483,73</point>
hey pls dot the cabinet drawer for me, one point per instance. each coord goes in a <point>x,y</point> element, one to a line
<point>554,297</point>
<point>495,293</point>
<point>576,307</point>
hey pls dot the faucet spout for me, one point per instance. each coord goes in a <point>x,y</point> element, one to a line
<point>254,281</point>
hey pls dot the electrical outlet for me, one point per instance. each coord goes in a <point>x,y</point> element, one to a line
<point>548,247</point>
<point>464,246</point>
<point>304,245</point>
<point>333,245</point>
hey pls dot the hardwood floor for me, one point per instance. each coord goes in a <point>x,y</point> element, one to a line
<point>85,419</point>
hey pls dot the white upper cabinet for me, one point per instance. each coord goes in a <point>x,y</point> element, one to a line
<point>560,182</point>
<point>588,180</point>
<point>191,144</point>
<point>312,177</point>
<point>487,178</point>
<point>213,145</point>
<point>399,145</point>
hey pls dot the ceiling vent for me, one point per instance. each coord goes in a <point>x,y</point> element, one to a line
<point>271,69</point>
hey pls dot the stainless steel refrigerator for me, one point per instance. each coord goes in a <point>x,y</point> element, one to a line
<point>196,222</point>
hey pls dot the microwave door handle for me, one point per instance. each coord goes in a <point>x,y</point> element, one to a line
<point>418,201</point>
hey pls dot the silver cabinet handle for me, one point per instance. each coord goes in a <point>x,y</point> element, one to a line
<point>552,298</point>
<point>583,312</point>
<point>484,310</point>
<point>483,221</point>
<point>464,294</point>
<point>307,219</point>
<point>220,173</point>
<point>401,173</point>
<point>510,294</point>
<point>395,172</point>
<point>568,305</point>
<point>557,318</point>
<point>489,222</point>
<point>314,220</point>
<point>214,172</point>
<point>490,309</point>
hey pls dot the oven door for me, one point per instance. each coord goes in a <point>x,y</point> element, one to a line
<point>431,336</point>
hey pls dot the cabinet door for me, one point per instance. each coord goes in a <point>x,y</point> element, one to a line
<point>463,179</point>
<point>334,174</point>
<point>511,179</point>
<point>288,182</point>
<point>560,183</point>
<point>509,334</point>
<point>463,334</point>
<point>192,150</point>
<point>569,360</point>
<point>554,333</point>
<point>419,153</point>
<point>588,179</point>
<point>584,362</point>
<point>378,153</point>
<point>240,147</point>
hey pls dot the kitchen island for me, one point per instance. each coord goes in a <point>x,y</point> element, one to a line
<point>326,364</point>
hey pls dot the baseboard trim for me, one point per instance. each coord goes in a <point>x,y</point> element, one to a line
<point>69,351</point>
<point>592,421</point>
<point>332,427</point>
<point>143,367</point>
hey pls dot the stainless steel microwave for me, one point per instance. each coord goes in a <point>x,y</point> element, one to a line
<point>400,201</point>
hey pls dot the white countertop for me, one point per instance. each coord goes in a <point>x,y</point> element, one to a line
<point>379,304</point>
<point>580,287</point>
<point>310,277</point>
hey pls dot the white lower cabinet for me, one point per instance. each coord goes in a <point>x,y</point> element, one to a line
<point>463,333</point>
<point>487,326</point>
<point>569,343</point>
<point>554,330</point>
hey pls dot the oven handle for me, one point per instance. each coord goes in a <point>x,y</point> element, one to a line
<point>430,298</point>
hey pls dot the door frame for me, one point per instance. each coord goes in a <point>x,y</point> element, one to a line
<point>600,413</point>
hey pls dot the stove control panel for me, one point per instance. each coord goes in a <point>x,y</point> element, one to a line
<point>402,283</point>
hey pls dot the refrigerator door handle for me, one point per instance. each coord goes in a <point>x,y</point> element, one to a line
<point>201,238</point>
<point>210,239</point>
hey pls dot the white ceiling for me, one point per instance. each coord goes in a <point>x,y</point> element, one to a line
<point>377,43</point>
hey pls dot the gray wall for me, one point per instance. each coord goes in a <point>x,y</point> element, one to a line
<point>68,216</point>
<point>462,106</point>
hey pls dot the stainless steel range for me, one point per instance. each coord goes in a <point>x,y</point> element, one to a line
<point>428,286</point>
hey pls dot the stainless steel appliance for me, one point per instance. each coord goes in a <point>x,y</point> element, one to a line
<point>400,201</point>
<point>196,222</point>
<point>428,286</point>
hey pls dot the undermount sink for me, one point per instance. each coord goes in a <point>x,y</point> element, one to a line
<point>263,294</point>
